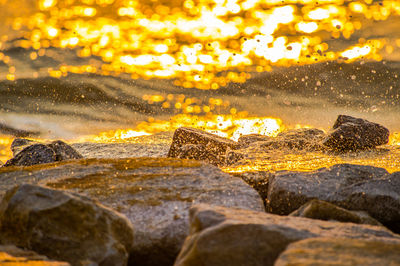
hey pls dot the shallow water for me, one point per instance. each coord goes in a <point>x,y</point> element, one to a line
<point>58,81</point>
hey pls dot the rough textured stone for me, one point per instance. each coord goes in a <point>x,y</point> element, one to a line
<point>354,187</point>
<point>352,134</point>
<point>322,210</point>
<point>27,152</point>
<point>210,147</point>
<point>64,151</point>
<point>64,226</point>
<point>345,251</point>
<point>245,140</point>
<point>224,236</point>
<point>13,256</point>
<point>258,180</point>
<point>31,155</point>
<point>154,193</point>
<point>19,144</point>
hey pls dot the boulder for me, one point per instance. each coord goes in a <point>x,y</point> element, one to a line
<point>257,180</point>
<point>11,255</point>
<point>154,193</point>
<point>353,187</point>
<point>227,236</point>
<point>353,134</point>
<point>203,146</point>
<point>246,140</point>
<point>31,155</point>
<point>344,251</point>
<point>27,152</point>
<point>63,151</point>
<point>64,226</point>
<point>322,210</point>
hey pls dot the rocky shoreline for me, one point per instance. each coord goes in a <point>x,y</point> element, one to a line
<point>181,209</point>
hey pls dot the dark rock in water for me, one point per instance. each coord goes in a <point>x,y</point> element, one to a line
<point>354,187</point>
<point>352,134</point>
<point>245,140</point>
<point>210,147</point>
<point>64,226</point>
<point>27,152</point>
<point>322,210</point>
<point>224,236</point>
<point>11,255</point>
<point>31,155</point>
<point>154,193</point>
<point>19,144</point>
<point>64,151</point>
<point>341,251</point>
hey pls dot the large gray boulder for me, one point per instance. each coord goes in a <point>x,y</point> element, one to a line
<point>354,187</point>
<point>227,236</point>
<point>341,251</point>
<point>154,193</point>
<point>64,226</point>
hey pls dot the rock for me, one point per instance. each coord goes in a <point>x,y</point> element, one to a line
<point>204,146</point>
<point>352,134</point>
<point>329,251</point>
<point>245,140</point>
<point>258,180</point>
<point>322,210</point>
<point>64,151</point>
<point>154,193</point>
<point>11,255</point>
<point>227,236</point>
<point>353,187</point>
<point>64,226</point>
<point>19,144</point>
<point>27,152</point>
<point>31,155</point>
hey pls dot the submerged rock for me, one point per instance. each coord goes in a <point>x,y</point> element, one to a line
<point>11,255</point>
<point>354,187</point>
<point>341,251</point>
<point>27,152</point>
<point>203,146</point>
<point>154,193</point>
<point>64,226</point>
<point>352,134</point>
<point>227,236</point>
<point>322,210</point>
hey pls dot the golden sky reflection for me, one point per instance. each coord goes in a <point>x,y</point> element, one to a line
<point>201,43</point>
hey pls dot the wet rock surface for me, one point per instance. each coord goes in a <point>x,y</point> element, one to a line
<point>27,152</point>
<point>226,236</point>
<point>64,226</point>
<point>322,210</point>
<point>329,251</point>
<point>354,187</point>
<point>155,195</point>
<point>352,134</point>
<point>190,143</point>
<point>11,255</point>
